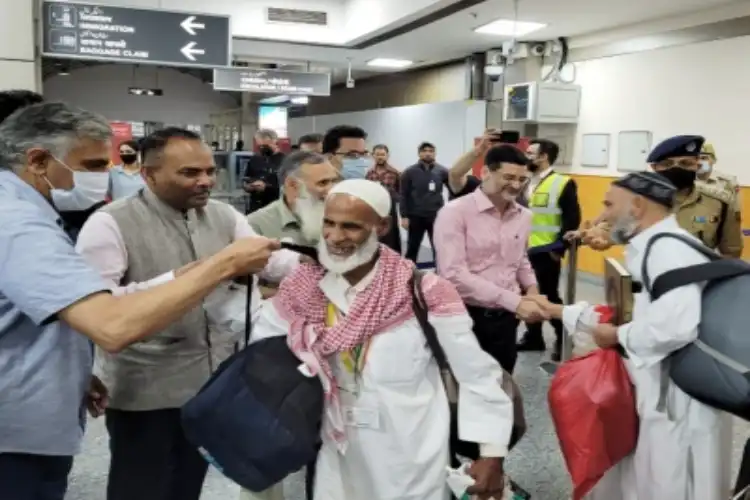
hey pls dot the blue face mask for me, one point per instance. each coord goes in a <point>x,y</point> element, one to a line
<point>354,168</point>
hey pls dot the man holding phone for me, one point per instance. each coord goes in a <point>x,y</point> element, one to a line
<point>460,179</point>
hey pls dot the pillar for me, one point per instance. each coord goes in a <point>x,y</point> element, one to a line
<point>476,77</point>
<point>20,68</point>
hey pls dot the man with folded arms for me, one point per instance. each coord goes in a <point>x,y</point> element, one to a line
<point>350,320</point>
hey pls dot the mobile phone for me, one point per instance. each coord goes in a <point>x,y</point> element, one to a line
<point>507,137</point>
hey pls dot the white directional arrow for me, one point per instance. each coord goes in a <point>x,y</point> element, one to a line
<point>190,51</point>
<point>190,25</point>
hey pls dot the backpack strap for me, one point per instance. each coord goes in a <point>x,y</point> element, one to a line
<point>248,308</point>
<point>716,269</point>
<point>419,305</point>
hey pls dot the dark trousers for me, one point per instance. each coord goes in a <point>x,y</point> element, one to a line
<point>547,271</point>
<point>151,458</point>
<point>33,477</point>
<point>418,226</point>
<point>495,329</point>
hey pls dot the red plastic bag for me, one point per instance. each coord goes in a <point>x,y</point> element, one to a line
<point>592,403</point>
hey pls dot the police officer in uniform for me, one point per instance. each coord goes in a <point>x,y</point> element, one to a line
<point>714,180</point>
<point>708,214</point>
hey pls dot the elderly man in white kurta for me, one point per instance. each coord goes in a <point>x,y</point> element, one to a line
<point>386,425</point>
<point>679,454</point>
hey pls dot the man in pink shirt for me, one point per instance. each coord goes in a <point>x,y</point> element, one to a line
<point>481,248</point>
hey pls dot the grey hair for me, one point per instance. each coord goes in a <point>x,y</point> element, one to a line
<point>267,133</point>
<point>53,126</point>
<point>293,162</point>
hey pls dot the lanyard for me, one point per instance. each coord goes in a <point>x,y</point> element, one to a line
<point>353,360</point>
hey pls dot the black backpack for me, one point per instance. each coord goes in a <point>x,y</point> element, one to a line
<point>258,417</point>
<point>715,368</point>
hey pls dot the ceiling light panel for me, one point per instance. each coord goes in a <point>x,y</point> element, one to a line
<point>389,63</point>
<point>509,28</point>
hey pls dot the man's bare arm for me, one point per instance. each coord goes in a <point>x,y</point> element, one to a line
<point>114,323</point>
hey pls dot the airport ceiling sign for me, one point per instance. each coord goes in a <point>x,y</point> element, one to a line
<point>272,81</point>
<point>73,30</point>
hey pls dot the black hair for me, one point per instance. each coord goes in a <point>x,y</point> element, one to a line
<point>504,153</point>
<point>153,144</point>
<point>549,148</point>
<point>13,100</point>
<point>381,146</point>
<point>425,145</point>
<point>332,139</point>
<point>132,144</point>
<point>310,139</point>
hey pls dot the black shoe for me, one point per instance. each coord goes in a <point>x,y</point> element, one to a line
<point>529,345</point>
<point>556,356</point>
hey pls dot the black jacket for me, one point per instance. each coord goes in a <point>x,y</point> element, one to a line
<point>266,169</point>
<point>392,238</point>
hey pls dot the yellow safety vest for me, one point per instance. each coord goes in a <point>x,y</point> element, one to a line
<point>547,216</point>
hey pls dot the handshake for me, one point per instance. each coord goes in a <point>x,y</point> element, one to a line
<point>535,308</point>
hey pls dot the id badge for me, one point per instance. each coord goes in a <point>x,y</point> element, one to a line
<point>364,418</point>
<point>431,186</point>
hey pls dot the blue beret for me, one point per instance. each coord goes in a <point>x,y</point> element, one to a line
<point>679,145</point>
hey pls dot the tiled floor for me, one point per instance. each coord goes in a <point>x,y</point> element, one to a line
<point>536,464</point>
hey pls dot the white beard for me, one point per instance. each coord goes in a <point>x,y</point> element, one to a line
<point>310,212</point>
<point>342,265</point>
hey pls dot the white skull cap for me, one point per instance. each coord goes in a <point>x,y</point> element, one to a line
<point>370,192</point>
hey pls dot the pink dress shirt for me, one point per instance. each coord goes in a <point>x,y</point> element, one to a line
<point>483,252</point>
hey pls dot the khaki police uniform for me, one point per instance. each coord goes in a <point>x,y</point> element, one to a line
<point>720,182</point>
<point>708,215</point>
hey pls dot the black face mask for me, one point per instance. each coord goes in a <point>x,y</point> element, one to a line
<point>265,150</point>
<point>128,159</point>
<point>680,177</point>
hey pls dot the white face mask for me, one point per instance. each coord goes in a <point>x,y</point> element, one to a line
<point>705,167</point>
<point>89,188</point>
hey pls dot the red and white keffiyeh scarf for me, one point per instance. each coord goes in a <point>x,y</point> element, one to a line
<point>385,302</point>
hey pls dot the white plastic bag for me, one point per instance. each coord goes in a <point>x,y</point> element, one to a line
<point>580,319</point>
<point>459,480</point>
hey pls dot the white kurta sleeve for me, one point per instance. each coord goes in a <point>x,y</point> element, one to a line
<point>671,322</point>
<point>485,411</point>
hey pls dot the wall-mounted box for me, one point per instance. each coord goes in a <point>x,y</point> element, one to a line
<point>542,102</point>
<point>595,150</point>
<point>633,147</point>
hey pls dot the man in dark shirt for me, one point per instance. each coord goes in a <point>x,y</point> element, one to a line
<point>311,142</point>
<point>261,180</point>
<point>548,192</point>
<point>421,198</point>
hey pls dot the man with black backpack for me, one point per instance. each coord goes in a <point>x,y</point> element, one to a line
<point>680,452</point>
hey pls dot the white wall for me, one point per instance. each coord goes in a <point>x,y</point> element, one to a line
<point>104,89</point>
<point>451,126</point>
<point>693,89</point>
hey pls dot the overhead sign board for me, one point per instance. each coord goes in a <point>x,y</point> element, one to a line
<point>144,36</point>
<point>272,81</point>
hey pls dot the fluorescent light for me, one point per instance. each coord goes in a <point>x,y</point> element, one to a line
<point>389,63</point>
<point>301,100</point>
<point>507,27</point>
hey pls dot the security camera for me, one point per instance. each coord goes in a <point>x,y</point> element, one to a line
<point>350,83</point>
<point>537,49</point>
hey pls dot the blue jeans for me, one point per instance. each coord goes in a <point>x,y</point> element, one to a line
<point>33,477</point>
